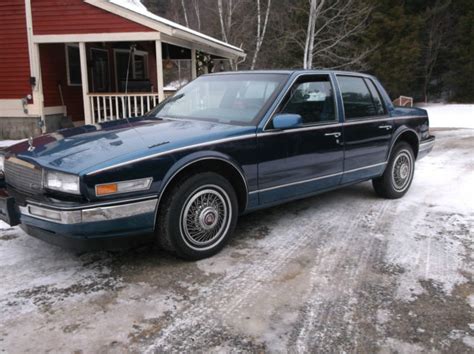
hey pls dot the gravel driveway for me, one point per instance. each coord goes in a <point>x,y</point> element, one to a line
<point>343,271</point>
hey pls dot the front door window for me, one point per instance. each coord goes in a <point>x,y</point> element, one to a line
<point>312,100</point>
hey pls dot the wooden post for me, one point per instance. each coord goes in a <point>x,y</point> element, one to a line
<point>193,64</point>
<point>159,70</point>
<point>85,83</point>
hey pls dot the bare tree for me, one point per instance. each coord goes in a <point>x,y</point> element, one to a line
<point>185,13</point>
<point>225,20</point>
<point>260,31</point>
<point>197,13</point>
<point>332,26</point>
<point>309,42</point>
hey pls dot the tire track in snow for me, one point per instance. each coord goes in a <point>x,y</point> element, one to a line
<point>191,328</point>
<point>322,311</point>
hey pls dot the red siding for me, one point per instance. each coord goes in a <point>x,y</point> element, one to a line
<point>76,16</point>
<point>53,73</point>
<point>14,58</point>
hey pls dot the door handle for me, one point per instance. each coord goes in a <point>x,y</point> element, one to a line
<point>387,127</point>
<point>336,135</point>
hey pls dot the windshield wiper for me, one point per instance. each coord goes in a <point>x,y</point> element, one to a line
<point>165,102</point>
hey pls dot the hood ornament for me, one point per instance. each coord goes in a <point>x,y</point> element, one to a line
<point>31,148</point>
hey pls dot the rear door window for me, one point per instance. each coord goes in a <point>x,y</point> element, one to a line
<point>357,99</point>
<point>378,103</point>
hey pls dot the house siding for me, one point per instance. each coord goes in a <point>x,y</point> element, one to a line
<point>76,17</point>
<point>53,67</point>
<point>14,57</point>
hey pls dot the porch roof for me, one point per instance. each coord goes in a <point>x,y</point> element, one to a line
<point>134,10</point>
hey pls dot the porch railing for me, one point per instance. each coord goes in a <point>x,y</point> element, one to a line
<point>113,106</point>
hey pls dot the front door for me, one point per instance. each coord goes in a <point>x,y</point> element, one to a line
<point>306,159</point>
<point>367,128</point>
<point>100,70</point>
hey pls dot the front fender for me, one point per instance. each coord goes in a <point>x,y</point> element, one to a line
<point>190,159</point>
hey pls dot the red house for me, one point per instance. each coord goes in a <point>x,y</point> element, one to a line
<point>66,62</point>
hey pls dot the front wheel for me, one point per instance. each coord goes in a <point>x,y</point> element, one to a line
<point>198,216</point>
<point>398,175</point>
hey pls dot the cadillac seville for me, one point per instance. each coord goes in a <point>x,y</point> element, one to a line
<point>224,145</point>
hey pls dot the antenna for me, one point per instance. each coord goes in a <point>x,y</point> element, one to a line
<point>133,47</point>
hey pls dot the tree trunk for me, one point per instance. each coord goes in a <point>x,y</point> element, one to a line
<point>185,13</point>
<point>260,31</point>
<point>198,14</point>
<point>221,20</point>
<point>309,43</point>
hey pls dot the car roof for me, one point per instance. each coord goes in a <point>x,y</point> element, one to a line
<point>295,72</point>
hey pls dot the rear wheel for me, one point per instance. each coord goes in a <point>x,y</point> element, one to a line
<point>197,216</point>
<point>398,175</point>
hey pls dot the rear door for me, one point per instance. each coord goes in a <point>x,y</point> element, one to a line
<point>367,128</point>
<point>306,159</point>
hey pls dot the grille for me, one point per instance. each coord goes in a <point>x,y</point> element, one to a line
<point>23,176</point>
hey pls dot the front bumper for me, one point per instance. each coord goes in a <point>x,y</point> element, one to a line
<point>83,227</point>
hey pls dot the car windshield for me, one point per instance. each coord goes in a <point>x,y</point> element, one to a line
<point>226,98</point>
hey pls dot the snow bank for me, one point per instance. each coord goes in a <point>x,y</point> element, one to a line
<point>450,115</point>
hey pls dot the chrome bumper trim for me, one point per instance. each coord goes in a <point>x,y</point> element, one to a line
<point>102,213</point>
<point>426,145</point>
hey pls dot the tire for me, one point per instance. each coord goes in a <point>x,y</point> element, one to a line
<point>398,175</point>
<point>197,216</point>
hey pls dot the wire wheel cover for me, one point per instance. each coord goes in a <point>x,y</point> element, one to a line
<point>205,217</point>
<point>402,170</point>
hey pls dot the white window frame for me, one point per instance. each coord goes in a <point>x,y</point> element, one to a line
<point>74,45</point>
<point>132,76</point>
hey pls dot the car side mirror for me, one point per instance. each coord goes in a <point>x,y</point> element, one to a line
<point>287,121</point>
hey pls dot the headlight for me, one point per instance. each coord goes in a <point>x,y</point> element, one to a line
<point>123,187</point>
<point>62,182</point>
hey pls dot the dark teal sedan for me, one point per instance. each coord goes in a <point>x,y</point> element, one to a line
<point>225,144</point>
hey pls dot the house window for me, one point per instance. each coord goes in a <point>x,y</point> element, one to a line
<point>137,70</point>
<point>176,73</point>
<point>73,65</point>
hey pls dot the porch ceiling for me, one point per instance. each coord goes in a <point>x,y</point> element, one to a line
<point>172,32</point>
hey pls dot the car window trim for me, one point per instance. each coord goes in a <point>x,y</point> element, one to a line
<point>368,119</point>
<point>328,125</point>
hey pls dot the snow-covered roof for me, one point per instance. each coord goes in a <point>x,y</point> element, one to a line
<point>137,7</point>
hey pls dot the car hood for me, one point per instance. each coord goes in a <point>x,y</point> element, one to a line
<point>84,148</point>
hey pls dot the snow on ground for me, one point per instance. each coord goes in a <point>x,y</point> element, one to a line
<point>3,225</point>
<point>345,271</point>
<point>450,115</point>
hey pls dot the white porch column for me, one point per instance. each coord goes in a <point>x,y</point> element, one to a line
<point>85,83</point>
<point>193,64</point>
<point>159,70</point>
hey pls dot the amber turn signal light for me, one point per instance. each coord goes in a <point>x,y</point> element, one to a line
<point>105,189</point>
